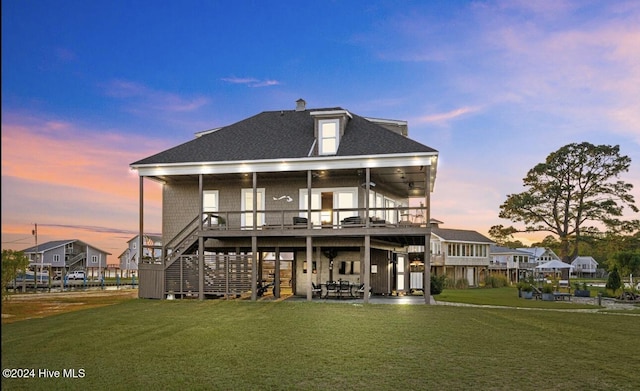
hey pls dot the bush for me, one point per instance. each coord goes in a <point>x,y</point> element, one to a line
<point>547,288</point>
<point>614,282</point>
<point>437,284</point>
<point>496,282</point>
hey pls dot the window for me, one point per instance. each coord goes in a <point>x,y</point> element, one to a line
<point>304,267</point>
<point>344,198</point>
<point>349,267</point>
<point>56,258</point>
<point>210,205</point>
<point>94,259</point>
<point>210,201</point>
<point>328,136</point>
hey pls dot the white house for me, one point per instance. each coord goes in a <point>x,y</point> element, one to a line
<point>511,263</point>
<point>584,266</point>
<point>129,259</point>
<point>540,255</point>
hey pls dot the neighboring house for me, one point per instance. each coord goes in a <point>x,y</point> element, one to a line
<point>325,190</point>
<point>514,264</point>
<point>461,255</point>
<point>540,255</point>
<point>152,252</point>
<point>584,266</point>
<point>64,256</point>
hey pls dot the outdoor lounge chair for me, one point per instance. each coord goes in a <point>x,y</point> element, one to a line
<point>300,221</point>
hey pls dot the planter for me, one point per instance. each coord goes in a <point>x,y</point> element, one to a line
<point>548,297</point>
<point>582,293</point>
<point>526,295</point>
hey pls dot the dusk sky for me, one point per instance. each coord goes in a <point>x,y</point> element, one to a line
<point>89,87</point>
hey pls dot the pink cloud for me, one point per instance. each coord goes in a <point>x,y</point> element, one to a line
<point>54,172</point>
<point>447,116</point>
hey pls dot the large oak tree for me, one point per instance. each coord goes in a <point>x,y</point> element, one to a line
<point>572,194</point>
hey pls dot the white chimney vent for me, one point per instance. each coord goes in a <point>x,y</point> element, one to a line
<point>301,105</point>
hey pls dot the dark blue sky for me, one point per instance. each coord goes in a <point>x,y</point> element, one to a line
<point>89,87</point>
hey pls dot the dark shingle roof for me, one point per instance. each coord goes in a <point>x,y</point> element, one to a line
<point>281,135</point>
<point>460,235</point>
<point>43,247</point>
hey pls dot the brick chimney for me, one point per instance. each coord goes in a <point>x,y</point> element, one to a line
<point>301,105</point>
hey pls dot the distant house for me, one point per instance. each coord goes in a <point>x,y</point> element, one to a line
<point>152,252</point>
<point>64,256</point>
<point>540,255</point>
<point>461,255</point>
<point>584,266</point>
<point>512,263</point>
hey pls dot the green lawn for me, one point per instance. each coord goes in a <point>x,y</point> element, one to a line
<point>242,345</point>
<point>504,297</point>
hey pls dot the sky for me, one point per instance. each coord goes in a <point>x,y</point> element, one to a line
<point>89,87</point>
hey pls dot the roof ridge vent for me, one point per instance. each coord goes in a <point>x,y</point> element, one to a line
<point>301,105</point>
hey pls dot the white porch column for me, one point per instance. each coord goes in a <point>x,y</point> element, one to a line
<point>254,242</point>
<point>200,239</point>
<point>427,238</point>
<point>367,267</point>
<point>309,242</point>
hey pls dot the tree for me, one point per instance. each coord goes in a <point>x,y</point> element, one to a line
<point>614,282</point>
<point>628,262</point>
<point>12,261</point>
<point>575,189</point>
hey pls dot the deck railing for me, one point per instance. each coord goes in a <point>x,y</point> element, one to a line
<point>320,218</point>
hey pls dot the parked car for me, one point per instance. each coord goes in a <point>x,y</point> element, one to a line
<point>76,275</point>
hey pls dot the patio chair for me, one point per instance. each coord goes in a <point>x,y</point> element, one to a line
<point>361,290</point>
<point>345,288</point>
<point>316,290</point>
<point>332,287</point>
<point>300,221</point>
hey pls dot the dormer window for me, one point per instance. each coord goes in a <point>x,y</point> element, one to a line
<point>329,128</point>
<point>328,136</point>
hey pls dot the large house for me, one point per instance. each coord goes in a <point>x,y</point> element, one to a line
<point>64,256</point>
<point>324,190</point>
<point>129,259</point>
<point>461,255</point>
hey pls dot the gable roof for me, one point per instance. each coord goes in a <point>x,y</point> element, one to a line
<point>284,134</point>
<point>460,235</point>
<point>584,260</point>
<point>537,252</point>
<point>495,249</point>
<point>44,247</point>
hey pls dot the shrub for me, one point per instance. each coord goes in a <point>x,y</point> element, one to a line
<point>437,284</point>
<point>462,284</point>
<point>525,287</point>
<point>496,281</point>
<point>614,282</point>
<point>547,288</point>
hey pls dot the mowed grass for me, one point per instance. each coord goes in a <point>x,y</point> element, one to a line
<point>505,297</point>
<point>243,345</point>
